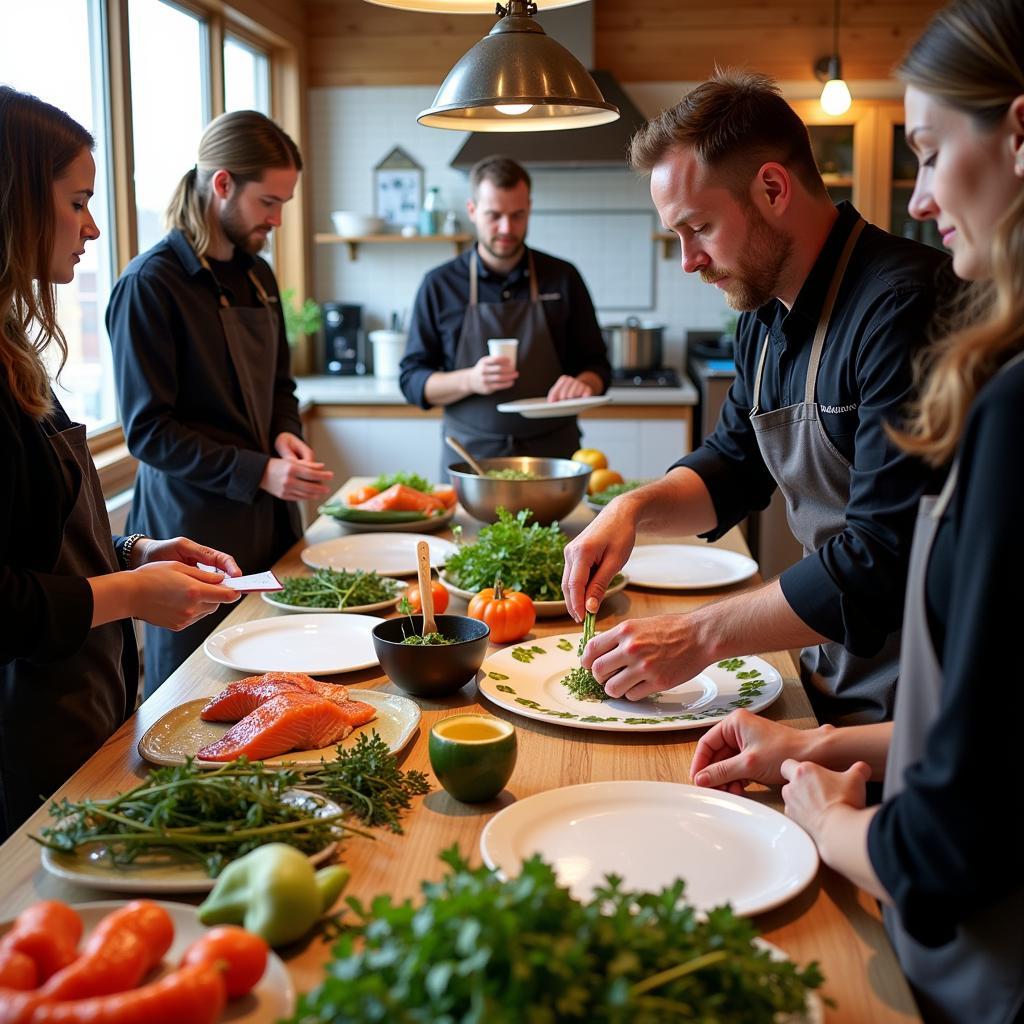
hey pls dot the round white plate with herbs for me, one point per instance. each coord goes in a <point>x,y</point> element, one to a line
<point>527,679</point>
<point>544,609</point>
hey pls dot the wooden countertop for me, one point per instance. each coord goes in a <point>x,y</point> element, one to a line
<point>832,921</point>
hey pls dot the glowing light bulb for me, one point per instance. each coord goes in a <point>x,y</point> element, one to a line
<point>513,109</point>
<point>835,97</point>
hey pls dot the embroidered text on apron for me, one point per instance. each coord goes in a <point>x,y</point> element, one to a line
<point>251,334</point>
<point>66,709</point>
<point>475,421</point>
<point>815,480</point>
<point>979,975</point>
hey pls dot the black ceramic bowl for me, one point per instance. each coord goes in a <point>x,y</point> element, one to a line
<point>424,671</point>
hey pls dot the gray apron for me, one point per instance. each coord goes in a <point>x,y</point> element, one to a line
<point>254,537</point>
<point>978,977</point>
<point>475,421</point>
<point>65,710</point>
<point>815,481</point>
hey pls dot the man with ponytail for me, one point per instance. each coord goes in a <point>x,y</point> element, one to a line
<point>202,367</point>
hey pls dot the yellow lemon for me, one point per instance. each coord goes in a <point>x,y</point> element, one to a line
<point>602,479</point>
<point>592,457</point>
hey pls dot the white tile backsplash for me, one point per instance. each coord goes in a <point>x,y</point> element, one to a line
<point>351,129</point>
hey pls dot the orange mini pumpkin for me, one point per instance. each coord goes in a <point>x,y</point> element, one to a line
<point>509,613</point>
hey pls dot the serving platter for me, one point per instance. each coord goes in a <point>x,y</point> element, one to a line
<point>727,848</point>
<point>88,865</point>
<point>356,609</point>
<point>686,567</point>
<point>427,523</point>
<point>313,643</point>
<point>544,609</point>
<point>388,554</point>
<point>178,734</point>
<point>527,678</point>
<point>541,408</point>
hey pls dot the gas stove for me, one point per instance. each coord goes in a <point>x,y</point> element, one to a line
<point>661,378</point>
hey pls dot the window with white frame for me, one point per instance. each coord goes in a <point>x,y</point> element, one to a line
<point>246,76</point>
<point>170,104</point>
<point>67,70</point>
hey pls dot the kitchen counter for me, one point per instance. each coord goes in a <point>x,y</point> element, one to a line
<point>831,921</point>
<point>332,390</point>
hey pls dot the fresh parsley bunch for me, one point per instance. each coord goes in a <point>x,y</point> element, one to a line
<point>413,480</point>
<point>482,951</point>
<point>527,558</point>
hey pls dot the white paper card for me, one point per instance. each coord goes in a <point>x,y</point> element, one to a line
<point>257,581</point>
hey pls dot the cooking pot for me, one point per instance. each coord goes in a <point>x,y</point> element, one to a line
<point>632,345</point>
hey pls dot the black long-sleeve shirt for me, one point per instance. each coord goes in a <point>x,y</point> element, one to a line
<point>851,589</point>
<point>951,843</point>
<point>444,296</point>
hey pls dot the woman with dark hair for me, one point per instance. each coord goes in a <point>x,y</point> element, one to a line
<point>944,850</point>
<point>68,662</point>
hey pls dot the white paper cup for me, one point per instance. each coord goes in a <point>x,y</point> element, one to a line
<point>388,349</point>
<point>506,347</point>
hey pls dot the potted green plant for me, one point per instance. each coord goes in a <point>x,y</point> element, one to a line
<point>300,322</point>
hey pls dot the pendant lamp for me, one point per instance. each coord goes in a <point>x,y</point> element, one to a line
<point>518,79</point>
<point>835,96</point>
<point>463,6</point>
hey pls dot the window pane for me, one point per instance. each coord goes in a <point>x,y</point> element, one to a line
<point>170,104</point>
<point>246,77</point>
<point>64,65</point>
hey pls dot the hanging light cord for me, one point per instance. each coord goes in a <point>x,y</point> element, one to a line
<point>835,31</point>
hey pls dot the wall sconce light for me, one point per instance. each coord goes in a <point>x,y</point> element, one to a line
<point>835,96</point>
<point>518,79</point>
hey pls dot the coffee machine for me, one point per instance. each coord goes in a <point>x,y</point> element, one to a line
<point>345,348</point>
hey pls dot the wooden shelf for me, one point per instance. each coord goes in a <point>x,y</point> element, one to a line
<point>354,241</point>
<point>668,251</point>
<point>904,182</point>
<point>838,180</point>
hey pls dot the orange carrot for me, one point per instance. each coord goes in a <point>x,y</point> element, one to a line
<point>17,970</point>
<point>361,494</point>
<point>191,995</point>
<point>242,956</point>
<point>48,933</point>
<point>122,950</point>
<point>446,494</point>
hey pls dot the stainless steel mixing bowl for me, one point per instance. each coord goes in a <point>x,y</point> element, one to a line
<point>558,487</point>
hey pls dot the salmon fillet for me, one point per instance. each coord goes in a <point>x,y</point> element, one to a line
<point>288,721</point>
<point>240,698</point>
<point>399,498</point>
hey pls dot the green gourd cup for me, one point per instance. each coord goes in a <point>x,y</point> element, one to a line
<point>472,756</point>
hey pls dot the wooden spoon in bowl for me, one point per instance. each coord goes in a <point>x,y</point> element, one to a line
<point>426,594</point>
<point>459,450</point>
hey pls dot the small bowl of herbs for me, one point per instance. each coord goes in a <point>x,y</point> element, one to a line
<point>436,665</point>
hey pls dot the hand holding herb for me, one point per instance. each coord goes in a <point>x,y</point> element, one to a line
<point>580,681</point>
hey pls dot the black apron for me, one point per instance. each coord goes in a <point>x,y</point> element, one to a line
<point>815,481</point>
<point>475,421</point>
<point>60,713</point>
<point>979,975</point>
<point>255,533</point>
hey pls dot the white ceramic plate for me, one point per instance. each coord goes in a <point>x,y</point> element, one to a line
<point>686,566</point>
<point>544,609</point>
<point>357,609</point>
<point>178,734</point>
<point>389,554</point>
<point>533,688</point>
<point>88,865</point>
<point>542,409</point>
<point>318,645</point>
<point>727,848</point>
<point>429,523</point>
<point>271,999</point>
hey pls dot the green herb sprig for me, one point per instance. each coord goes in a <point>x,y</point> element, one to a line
<point>478,949</point>
<point>580,681</point>
<point>427,640</point>
<point>510,474</point>
<point>413,480</point>
<point>603,497</point>
<point>331,588</point>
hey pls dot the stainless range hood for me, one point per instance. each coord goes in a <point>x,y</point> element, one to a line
<point>605,145</point>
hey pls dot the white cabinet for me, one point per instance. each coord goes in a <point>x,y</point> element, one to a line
<point>370,445</point>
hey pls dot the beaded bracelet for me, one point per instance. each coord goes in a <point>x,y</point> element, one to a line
<point>126,549</point>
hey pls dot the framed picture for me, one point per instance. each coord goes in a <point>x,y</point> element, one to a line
<point>398,189</point>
